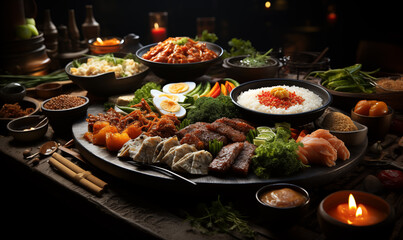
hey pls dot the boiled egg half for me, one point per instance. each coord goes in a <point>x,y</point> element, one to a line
<point>179,88</point>
<point>166,105</point>
<point>173,97</point>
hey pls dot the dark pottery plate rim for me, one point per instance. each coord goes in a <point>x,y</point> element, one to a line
<point>30,100</point>
<point>26,130</point>
<point>148,47</point>
<point>87,101</point>
<point>275,186</point>
<point>324,105</point>
<point>227,61</point>
<point>68,67</point>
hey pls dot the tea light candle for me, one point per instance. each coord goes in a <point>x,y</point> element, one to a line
<point>158,34</point>
<point>360,215</point>
<point>355,214</point>
<point>158,25</point>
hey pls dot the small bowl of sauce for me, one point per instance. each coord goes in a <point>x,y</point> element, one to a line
<point>282,203</point>
<point>105,45</point>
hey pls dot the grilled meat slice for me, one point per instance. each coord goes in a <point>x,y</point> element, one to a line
<point>226,130</point>
<point>237,124</point>
<point>192,127</point>
<point>191,139</point>
<point>242,162</point>
<point>226,157</point>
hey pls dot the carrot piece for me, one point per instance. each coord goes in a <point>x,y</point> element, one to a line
<point>216,93</point>
<point>213,90</point>
<point>224,90</point>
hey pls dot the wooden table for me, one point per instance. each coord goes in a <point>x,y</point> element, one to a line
<point>128,210</point>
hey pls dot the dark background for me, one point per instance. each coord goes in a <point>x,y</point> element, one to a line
<point>290,25</point>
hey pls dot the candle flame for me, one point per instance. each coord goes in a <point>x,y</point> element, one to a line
<point>358,212</point>
<point>100,40</point>
<point>156,26</point>
<point>352,206</point>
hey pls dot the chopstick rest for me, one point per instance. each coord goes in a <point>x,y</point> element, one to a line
<point>77,174</point>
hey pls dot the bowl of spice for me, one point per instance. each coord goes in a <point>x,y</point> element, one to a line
<point>282,203</point>
<point>252,67</point>
<point>64,110</point>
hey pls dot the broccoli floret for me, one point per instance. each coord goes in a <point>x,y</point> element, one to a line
<point>208,109</point>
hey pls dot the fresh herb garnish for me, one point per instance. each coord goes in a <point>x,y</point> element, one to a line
<point>256,59</point>
<point>220,218</point>
<point>207,37</point>
<point>215,146</point>
<point>277,155</point>
<point>181,41</point>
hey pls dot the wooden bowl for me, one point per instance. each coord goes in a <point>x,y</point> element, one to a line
<point>378,127</point>
<point>48,90</point>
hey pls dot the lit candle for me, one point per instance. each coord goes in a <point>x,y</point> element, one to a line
<point>158,34</point>
<point>361,215</point>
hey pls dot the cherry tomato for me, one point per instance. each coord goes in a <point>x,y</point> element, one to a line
<point>378,109</point>
<point>362,107</point>
<point>392,179</point>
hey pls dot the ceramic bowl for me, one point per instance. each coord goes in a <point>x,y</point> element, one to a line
<point>378,127</point>
<point>106,84</point>
<point>103,49</point>
<point>27,102</point>
<point>234,69</point>
<point>281,215</point>
<point>181,71</point>
<point>62,120</point>
<point>12,93</point>
<point>335,229</point>
<point>48,90</point>
<point>22,128</point>
<point>296,119</point>
<point>350,138</point>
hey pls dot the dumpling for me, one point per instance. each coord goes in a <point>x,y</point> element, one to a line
<point>131,147</point>
<point>163,148</point>
<point>194,163</point>
<point>176,153</point>
<point>147,149</point>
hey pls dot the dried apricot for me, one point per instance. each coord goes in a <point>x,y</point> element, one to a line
<point>115,141</point>
<point>100,137</point>
<point>133,131</point>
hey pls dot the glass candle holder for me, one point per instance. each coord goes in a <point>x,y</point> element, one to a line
<point>205,23</point>
<point>158,26</point>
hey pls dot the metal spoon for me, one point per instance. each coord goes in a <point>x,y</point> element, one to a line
<point>46,149</point>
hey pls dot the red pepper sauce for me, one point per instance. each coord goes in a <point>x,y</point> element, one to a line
<point>267,99</point>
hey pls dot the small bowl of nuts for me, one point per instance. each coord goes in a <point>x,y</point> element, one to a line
<point>64,110</point>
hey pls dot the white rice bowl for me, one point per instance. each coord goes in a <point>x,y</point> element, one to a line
<point>249,99</point>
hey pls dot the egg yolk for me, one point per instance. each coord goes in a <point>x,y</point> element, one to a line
<point>169,105</point>
<point>280,92</point>
<point>178,88</point>
<point>172,97</point>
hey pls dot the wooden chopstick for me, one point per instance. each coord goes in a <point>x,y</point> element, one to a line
<point>76,173</point>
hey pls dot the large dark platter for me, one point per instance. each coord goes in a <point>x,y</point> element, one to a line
<point>108,162</point>
<point>295,119</point>
<point>182,71</point>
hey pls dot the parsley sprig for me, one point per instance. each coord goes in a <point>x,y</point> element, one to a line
<point>221,218</point>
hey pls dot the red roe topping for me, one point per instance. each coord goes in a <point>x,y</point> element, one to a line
<point>273,99</point>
